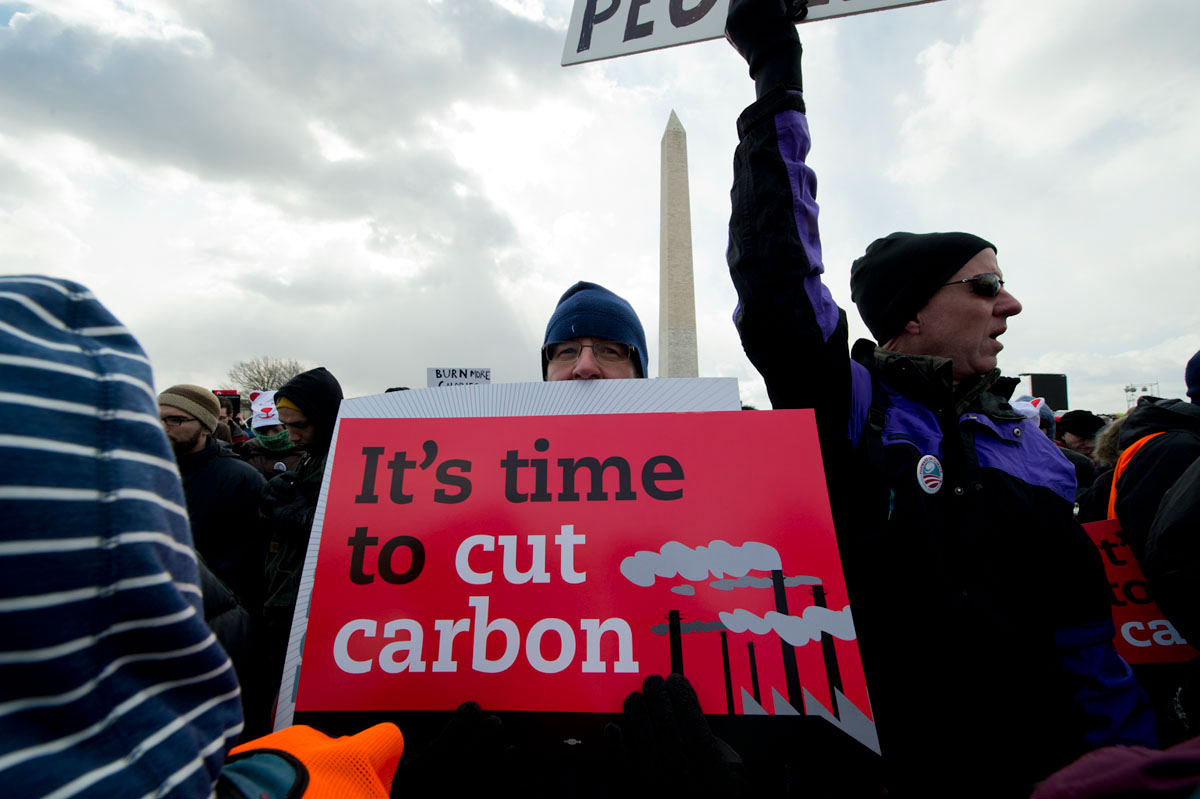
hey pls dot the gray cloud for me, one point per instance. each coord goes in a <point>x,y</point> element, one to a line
<point>718,559</point>
<point>230,98</point>
<point>233,101</point>
<point>796,630</point>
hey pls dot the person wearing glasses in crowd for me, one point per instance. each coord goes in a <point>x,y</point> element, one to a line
<point>980,605</point>
<point>593,335</point>
<point>222,490</point>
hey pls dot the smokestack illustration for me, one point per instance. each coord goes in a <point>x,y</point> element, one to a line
<point>754,673</point>
<point>791,672</point>
<point>832,672</point>
<point>728,673</point>
<point>676,636</point>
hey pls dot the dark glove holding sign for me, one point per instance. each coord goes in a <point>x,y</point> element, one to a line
<point>663,746</point>
<point>764,33</point>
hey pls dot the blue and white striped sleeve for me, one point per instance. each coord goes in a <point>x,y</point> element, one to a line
<point>110,682</point>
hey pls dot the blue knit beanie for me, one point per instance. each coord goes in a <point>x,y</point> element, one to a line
<point>587,310</point>
<point>1192,375</point>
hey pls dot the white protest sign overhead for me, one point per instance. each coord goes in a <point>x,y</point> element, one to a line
<point>456,376</point>
<point>609,28</point>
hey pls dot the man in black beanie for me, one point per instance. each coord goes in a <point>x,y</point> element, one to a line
<point>981,606</point>
<point>936,294</point>
<point>1077,430</point>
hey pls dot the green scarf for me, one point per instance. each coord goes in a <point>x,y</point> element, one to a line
<point>278,442</point>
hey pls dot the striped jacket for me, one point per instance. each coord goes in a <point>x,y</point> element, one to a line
<point>110,682</point>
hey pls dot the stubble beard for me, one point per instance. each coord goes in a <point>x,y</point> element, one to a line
<point>187,446</point>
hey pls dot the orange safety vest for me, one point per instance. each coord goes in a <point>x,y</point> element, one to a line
<point>351,767</point>
<point>1123,462</point>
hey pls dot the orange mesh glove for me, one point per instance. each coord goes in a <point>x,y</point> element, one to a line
<point>351,767</point>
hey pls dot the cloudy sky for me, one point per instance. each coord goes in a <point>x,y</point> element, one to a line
<point>381,186</point>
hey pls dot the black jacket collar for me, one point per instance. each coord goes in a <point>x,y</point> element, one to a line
<point>929,380</point>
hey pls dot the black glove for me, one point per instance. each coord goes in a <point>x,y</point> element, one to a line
<point>664,747</point>
<point>469,757</point>
<point>764,33</point>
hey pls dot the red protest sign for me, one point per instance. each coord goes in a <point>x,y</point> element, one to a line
<point>1144,635</point>
<point>551,563</point>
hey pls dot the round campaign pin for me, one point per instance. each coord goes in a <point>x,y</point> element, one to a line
<point>929,474</point>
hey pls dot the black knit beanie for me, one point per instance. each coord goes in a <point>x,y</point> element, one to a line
<point>1084,424</point>
<point>1192,375</point>
<point>899,273</point>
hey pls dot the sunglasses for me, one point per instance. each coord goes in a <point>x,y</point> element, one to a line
<point>986,285</point>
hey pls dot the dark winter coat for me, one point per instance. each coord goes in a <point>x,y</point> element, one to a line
<point>1085,470</point>
<point>1172,557</point>
<point>1158,506</point>
<point>289,504</point>
<point>1157,465</point>
<point>230,623</point>
<point>267,461</point>
<point>981,608</point>
<point>222,498</point>
<point>288,507</point>
<point>1093,503</point>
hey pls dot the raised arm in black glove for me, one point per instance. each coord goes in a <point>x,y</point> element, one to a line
<point>764,33</point>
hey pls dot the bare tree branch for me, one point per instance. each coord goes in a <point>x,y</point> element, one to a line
<point>263,373</point>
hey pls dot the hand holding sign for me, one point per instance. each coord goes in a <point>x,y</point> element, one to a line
<point>663,745</point>
<point>764,33</point>
<point>471,756</point>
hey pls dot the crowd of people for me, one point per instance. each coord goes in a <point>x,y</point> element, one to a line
<point>153,543</point>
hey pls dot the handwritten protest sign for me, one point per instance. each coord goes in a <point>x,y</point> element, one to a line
<point>609,28</point>
<point>1144,635</point>
<point>551,563</point>
<point>456,376</point>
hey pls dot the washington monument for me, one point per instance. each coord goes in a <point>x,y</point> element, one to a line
<point>676,295</point>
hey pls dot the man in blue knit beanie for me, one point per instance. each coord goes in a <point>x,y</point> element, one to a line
<point>593,335</point>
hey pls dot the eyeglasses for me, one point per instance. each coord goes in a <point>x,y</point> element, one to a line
<point>986,285</point>
<point>605,351</point>
<point>175,421</point>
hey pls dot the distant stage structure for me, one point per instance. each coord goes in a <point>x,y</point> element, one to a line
<point>676,290</point>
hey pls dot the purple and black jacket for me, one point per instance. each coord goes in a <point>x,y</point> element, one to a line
<point>981,607</point>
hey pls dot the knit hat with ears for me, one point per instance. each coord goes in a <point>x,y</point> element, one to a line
<point>262,403</point>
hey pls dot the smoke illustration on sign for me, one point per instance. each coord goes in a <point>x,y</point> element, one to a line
<point>816,622</point>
